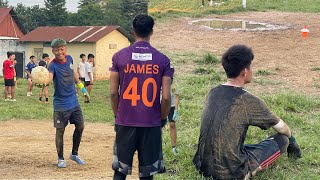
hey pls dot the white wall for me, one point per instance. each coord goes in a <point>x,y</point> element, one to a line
<point>9,45</point>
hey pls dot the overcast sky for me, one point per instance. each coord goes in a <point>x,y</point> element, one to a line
<point>71,5</point>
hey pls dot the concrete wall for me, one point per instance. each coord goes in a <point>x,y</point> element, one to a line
<point>105,50</point>
<point>73,49</point>
<point>9,45</point>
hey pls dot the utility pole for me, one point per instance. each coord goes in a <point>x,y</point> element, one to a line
<point>244,4</point>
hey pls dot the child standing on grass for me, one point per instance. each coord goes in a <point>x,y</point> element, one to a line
<point>173,117</point>
<point>44,90</point>
<point>29,67</point>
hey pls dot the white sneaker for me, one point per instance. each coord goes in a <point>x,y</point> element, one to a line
<point>6,99</point>
<point>174,151</point>
<point>31,93</point>
<point>28,94</point>
<point>13,100</point>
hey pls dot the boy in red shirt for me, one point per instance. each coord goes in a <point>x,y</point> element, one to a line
<point>8,74</point>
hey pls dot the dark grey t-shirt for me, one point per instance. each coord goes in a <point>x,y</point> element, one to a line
<point>227,114</point>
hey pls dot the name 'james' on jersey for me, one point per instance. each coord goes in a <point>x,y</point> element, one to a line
<point>141,68</point>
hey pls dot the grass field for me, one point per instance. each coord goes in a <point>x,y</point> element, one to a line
<point>193,8</point>
<point>301,112</point>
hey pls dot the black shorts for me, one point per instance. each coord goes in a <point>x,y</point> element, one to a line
<point>62,118</point>
<point>87,83</point>
<point>170,116</point>
<point>81,79</point>
<point>8,82</point>
<point>147,141</point>
<point>263,154</point>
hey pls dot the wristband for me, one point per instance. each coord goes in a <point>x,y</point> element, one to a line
<point>80,85</point>
<point>292,139</point>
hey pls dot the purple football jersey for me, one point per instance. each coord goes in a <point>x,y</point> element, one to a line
<point>141,68</point>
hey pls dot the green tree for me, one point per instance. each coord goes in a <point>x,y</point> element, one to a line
<point>56,12</point>
<point>88,15</point>
<point>4,3</point>
<point>131,8</point>
<point>31,17</point>
<point>83,3</point>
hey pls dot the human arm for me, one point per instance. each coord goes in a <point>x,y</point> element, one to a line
<point>166,97</point>
<point>282,128</point>
<point>114,91</point>
<point>80,85</point>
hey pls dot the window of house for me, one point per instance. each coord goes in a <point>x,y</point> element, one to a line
<point>112,46</point>
<point>38,53</point>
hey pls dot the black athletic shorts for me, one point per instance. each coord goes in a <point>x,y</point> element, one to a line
<point>265,153</point>
<point>87,83</point>
<point>147,141</point>
<point>170,116</point>
<point>62,118</point>
<point>81,79</point>
<point>8,82</point>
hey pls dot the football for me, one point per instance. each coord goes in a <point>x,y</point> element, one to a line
<point>40,75</point>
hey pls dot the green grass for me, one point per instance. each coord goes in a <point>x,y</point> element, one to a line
<point>31,108</point>
<point>301,112</point>
<point>164,9</point>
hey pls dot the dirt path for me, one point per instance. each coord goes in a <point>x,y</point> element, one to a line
<point>284,52</point>
<point>27,151</point>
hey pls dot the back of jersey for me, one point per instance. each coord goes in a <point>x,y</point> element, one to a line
<point>141,68</point>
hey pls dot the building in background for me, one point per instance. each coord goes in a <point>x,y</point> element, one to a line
<point>10,32</point>
<point>102,41</point>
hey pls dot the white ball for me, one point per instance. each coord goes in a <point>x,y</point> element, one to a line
<point>40,75</point>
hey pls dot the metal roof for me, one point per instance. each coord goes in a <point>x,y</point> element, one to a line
<point>71,33</point>
<point>4,13</point>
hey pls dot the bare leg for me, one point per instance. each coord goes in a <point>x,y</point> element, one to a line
<point>173,133</point>
<point>12,92</point>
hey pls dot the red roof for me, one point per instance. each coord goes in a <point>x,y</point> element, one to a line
<point>3,13</point>
<point>70,33</point>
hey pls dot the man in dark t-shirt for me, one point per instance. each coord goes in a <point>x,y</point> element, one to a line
<point>228,112</point>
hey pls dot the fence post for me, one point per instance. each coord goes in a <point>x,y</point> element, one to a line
<point>244,4</point>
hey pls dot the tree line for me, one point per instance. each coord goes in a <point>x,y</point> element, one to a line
<point>90,13</point>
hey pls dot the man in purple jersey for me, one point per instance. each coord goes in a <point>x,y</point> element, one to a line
<point>138,73</point>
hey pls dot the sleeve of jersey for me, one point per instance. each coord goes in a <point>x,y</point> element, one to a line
<point>259,114</point>
<point>27,67</point>
<point>51,68</point>
<point>168,69</point>
<point>114,66</point>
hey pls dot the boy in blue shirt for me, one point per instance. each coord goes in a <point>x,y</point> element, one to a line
<point>65,101</point>
<point>29,67</point>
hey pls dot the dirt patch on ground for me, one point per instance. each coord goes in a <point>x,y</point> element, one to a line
<point>285,53</point>
<point>27,151</point>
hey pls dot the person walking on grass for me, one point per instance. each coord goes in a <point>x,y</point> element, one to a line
<point>88,69</point>
<point>8,75</point>
<point>137,74</point>
<point>228,112</point>
<point>45,89</point>
<point>65,102</point>
<point>29,67</point>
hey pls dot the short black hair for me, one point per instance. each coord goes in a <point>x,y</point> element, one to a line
<point>44,55</point>
<point>81,55</point>
<point>143,25</point>
<point>235,59</point>
<point>9,53</point>
<point>90,56</point>
<point>32,57</point>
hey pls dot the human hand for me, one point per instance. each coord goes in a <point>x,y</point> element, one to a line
<point>293,149</point>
